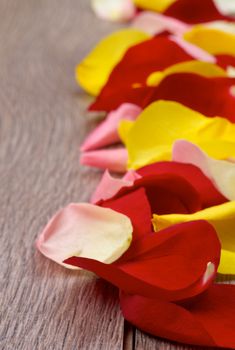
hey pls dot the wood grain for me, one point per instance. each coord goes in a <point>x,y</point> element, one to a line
<point>42,123</point>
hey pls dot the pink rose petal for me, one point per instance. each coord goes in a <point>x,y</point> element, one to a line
<point>85,230</point>
<point>193,50</point>
<point>220,172</point>
<point>106,133</point>
<point>155,23</point>
<point>110,185</point>
<point>112,159</point>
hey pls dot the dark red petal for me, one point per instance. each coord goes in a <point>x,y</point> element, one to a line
<point>164,319</point>
<point>169,193</point>
<point>166,192</point>
<point>135,205</point>
<point>111,97</point>
<point>141,60</point>
<point>209,195</point>
<point>195,11</point>
<point>225,60</point>
<point>209,96</point>
<point>167,264</point>
<point>207,321</point>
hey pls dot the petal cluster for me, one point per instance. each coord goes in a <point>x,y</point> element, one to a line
<point>162,230</point>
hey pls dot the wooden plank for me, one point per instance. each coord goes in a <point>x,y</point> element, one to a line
<point>128,336</point>
<point>42,120</point>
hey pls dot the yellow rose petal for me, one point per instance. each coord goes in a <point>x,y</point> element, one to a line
<point>152,135</point>
<point>93,72</point>
<point>124,129</point>
<point>154,5</point>
<point>222,218</point>
<point>212,40</point>
<point>204,69</point>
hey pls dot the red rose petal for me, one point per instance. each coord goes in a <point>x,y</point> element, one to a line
<point>209,195</point>
<point>209,96</point>
<point>207,320</point>
<point>135,205</point>
<point>225,61</point>
<point>141,60</point>
<point>163,319</point>
<point>165,264</point>
<point>173,188</point>
<point>195,11</point>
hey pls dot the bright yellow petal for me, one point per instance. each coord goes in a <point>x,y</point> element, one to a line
<point>154,5</point>
<point>93,72</point>
<point>227,262</point>
<point>212,40</point>
<point>124,129</point>
<point>222,217</point>
<point>204,69</point>
<point>152,135</point>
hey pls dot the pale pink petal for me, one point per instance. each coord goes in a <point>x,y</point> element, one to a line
<point>224,26</point>
<point>154,23</point>
<point>110,185</point>
<point>226,7</point>
<point>231,74</point>
<point>106,132</point>
<point>221,172</point>
<point>112,159</point>
<point>85,230</point>
<point>131,175</point>
<point>193,50</point>
<point>114,10</point>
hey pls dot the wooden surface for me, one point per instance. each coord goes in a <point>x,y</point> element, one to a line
<point>42,123</point>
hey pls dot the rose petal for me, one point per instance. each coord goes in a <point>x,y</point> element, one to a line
<point>140,61</point>
<point>93,72</point>
<point>221,172</point>
<point>153,273</point>
<point>155,23</point>
<point>212,40</point>
<point>193,50</point>
<point>204,69</point>
<point>227,27</point>
<point>109,185</point>
<point>222,217</point>
<point>106,132</point>
<point>167,193</point>
<point>112,159</point>
<point>209,195</point>
<point>207,321</point>
<point>114,10</point>
<point>150,139</point>
<point>226,7</point>
<point>225,61</point>
<point>136,206</point>
<point>171,187</point>
<point>195,11</point>
<point>85,230</point>
<point>159,5</point>
<point>210,96</point>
